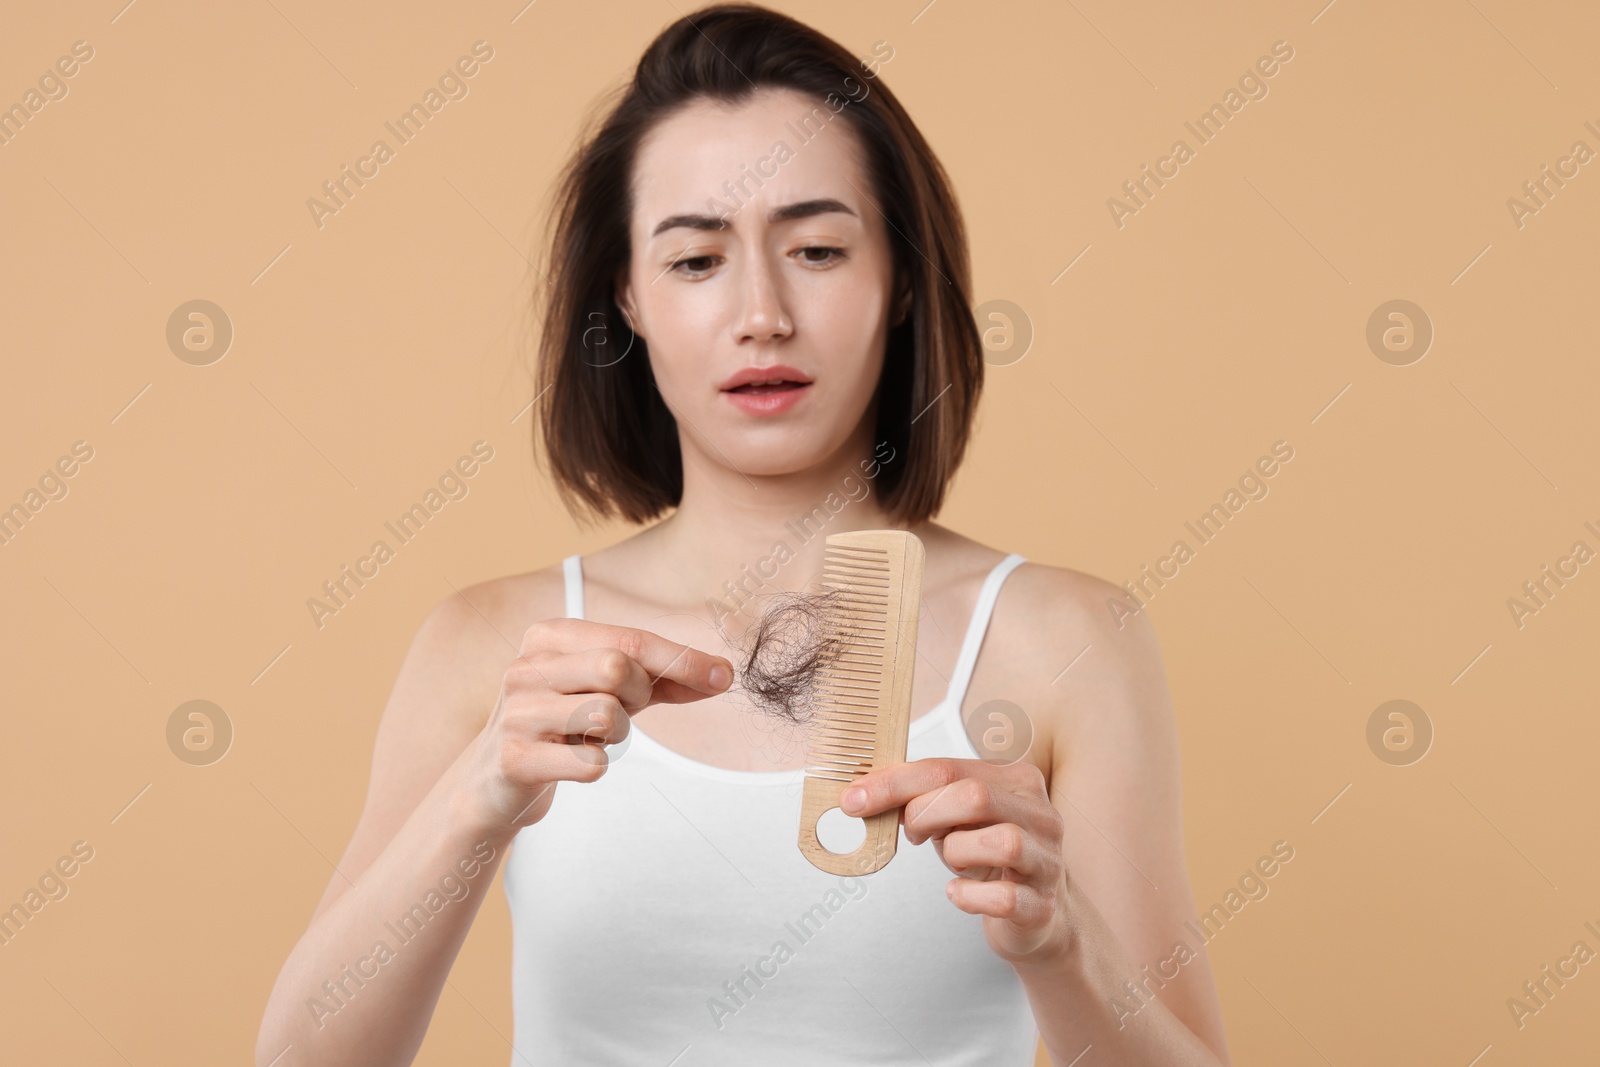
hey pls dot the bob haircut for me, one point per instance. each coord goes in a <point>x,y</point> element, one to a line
<point>612,444</point>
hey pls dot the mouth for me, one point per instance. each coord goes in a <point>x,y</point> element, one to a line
<point>765,388</point>
<point>770,380</point>
<point>766,392</point>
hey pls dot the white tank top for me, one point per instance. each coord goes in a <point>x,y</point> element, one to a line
<point>664,916</point>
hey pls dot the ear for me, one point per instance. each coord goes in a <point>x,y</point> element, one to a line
<point>902,301</point>
<point>624,301</point>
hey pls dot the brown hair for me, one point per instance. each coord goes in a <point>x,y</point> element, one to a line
<point>612,444</point>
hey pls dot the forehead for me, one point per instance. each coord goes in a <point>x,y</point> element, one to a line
<point>709,150</point>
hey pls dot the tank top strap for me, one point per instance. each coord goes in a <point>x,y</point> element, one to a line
<point>572,572</point>
<point>961,677</point>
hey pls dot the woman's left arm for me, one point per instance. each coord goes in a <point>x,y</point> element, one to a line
<point>1081,882</point>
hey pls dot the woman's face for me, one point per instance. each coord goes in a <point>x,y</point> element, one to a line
<point>801,295</point>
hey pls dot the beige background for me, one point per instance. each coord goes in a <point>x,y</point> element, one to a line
<point>1229,313</point>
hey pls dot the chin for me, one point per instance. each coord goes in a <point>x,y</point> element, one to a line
<point>769,460</point>
<point>776,450</point>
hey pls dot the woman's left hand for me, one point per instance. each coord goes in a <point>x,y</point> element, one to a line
<point>993,825</point>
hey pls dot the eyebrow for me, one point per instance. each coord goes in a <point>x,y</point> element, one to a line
<point>803,209</point>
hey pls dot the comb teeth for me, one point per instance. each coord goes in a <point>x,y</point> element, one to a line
<point>862,695</point>
<point>850,681</point>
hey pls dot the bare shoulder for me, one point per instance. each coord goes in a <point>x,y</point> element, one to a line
<point>1060,616</point>
<point>1064,645</point>
<point>1042,594</point>
<point>473,634</point>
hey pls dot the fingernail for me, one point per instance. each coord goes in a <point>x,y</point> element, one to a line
<point>853,798</point>
<point>720,677</point>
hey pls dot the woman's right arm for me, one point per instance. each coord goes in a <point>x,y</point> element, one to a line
<point>448,793</point>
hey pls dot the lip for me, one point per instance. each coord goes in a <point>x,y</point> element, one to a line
<point>769,403</point>
<point>747,375</point>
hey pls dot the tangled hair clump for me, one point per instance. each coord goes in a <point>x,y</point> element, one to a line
<point>778,658</point>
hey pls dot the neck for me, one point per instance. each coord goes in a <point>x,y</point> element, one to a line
<point>738,538</point>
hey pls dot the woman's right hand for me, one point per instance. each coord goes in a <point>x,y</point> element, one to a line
<point>569,692</point>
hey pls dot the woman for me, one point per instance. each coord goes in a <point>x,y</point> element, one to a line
<point>757,319</point>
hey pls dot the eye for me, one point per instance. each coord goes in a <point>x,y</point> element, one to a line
<point>689,261</point>
<point>833,255</point>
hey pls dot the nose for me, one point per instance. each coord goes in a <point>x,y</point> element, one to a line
<point>762,316</point>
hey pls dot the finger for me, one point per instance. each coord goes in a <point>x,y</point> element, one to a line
<point>598,670</point>
<point>556,762</point>
<point>678,673</point>
<point>972,803</point>
<point>1014,902</point>
<point>895,786</point>
<point>1000,847</point>
<point>598,720</point>
<point>569,719</point>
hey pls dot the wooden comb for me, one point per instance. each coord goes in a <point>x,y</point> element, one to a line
<point>863,689</point>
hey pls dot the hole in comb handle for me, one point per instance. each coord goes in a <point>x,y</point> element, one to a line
<point>839,833</point>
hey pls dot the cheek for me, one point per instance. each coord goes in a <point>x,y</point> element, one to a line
<point>857,348</point>
<point>680,311</point>
<point>683,329</point>
<point>849,324</point>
